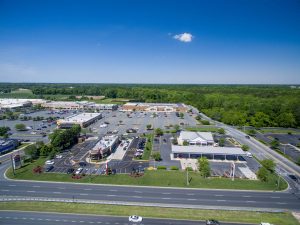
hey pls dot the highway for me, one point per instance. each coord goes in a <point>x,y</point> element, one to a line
<point>174,197</point>
<point>19,217</point>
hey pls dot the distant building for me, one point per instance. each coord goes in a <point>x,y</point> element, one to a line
<point>195,138</point>
<point>83,119</point>
<point>155,107</point>
<point>78,105</point>
<point>104,147</point>
<point>12,103</point>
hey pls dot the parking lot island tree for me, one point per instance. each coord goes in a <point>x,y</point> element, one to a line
<point>20,127</point>
<point>204,167</point>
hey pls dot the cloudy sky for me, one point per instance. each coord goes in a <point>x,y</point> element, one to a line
<point>205,42</point>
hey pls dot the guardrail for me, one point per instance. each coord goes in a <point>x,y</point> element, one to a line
<point>161,205</point>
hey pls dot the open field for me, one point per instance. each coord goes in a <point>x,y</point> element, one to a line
<point>279,131</point>
<point>150,178</point>
<point>189,214</point>
<point>203,129</point>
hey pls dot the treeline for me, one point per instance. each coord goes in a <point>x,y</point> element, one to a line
<point>254,105</point>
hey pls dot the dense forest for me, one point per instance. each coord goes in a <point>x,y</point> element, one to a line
<point>254,105</point>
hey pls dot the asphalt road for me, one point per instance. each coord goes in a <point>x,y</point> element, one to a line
<point>151,195</point>
<point>17,217</point>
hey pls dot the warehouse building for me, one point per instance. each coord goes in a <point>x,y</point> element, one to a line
<point>104,147</point>
<point>83,119</point>
<point>12,103</point>
<point>155,107</point>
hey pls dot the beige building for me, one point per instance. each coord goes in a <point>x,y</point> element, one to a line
<point>155,107</point>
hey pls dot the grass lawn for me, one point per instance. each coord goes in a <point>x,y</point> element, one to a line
<point>203,129</point>
<point>173,213</point>
<point>111,101</point>
<point>278,131</point>
<point>148,147</point>
<point>23,145</point>
<point>151,178</point>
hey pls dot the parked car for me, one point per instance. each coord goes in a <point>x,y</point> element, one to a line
<point>70,170</point>
<point>49,168</point>
<point>58,156</point>
<point>249,154</point>
<point>212,222</point>
<point>49,162</point>
<point>247,136</point>
<point>79,170</point>
<point>82,164</point>
<point>135,219</point>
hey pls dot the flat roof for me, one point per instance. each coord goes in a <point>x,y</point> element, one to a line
<point>194,149</point>
<point>155,104</point>
<point>105,142</point>
<point>191,135</point>
<point>80,118</point>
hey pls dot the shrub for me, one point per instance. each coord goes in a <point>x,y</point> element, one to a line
<point>263,174</point>
<point>156,156</point>
<point>161,167</point>
<point>245,147</point>
<point>189,168</point>
<point>174,168</point>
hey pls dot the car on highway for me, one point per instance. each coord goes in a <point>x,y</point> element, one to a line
<point>49,162</point>
<point>135,219</point>
<point>212,222</point>
<point>79,170</point>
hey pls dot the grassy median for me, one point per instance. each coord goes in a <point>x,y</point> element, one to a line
<point>173,213</point>
<point>150,178</point>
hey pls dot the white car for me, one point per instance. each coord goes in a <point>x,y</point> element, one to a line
<point>249,154</point>
<point>49,162</point>
<point>135,218</point>
<point>78,171</point>
<point>58,156</point>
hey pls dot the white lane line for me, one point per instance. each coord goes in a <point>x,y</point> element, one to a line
<point>30,191</point>
<point>83,194</point>
<point>113,190</point>
<point>62,188</point>
<point>219,195</point>
<point>137,196</point>
<point>138,192</point>
<point>221,200</point>
<point>275,197</point>
<point>4,190</point>
<point>250,201</point>
<point>111,195</point>
<point>190,194</point>
<point>36,186</point>
<point>87,189</point>
<point>281,203</point>
<point>247,196</point>
<point>56,192</point>
<point>12,185</point>
<point>192,199</point>
<point>166,193</point>
<point>166,198</point>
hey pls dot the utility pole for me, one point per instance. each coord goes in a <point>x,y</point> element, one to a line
<point>12,163</point>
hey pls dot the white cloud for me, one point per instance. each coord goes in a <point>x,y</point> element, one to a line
<point>184,37</point>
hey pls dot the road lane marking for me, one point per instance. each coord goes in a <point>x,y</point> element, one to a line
<point>250,201</point>
<point>111,195</point>
<point>83,194</point>
<point>137,196</point>
<point>247,196</point>
<point>281,203</point>
<point>192,199</point>
<point>30,191</point>
<point>36,186</point>
<point>190,194</point>
<point>274,197</point>
<point>87,189</point>
<point>166,198</point>
<point>219,195</point>
<point>12,185</point>
<point>113,190</point>
<point>138,192</point>
<point>56,192</point>
<point>166,193</point>
<point>4,190</point>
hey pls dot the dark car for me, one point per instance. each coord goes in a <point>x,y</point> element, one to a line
<point>49,168</point>
<point>82,164</point>
<point>70,170</point>
<point>248,137</point>
<point>212,222</point>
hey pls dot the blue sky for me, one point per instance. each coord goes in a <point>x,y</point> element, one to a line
<point>205,42</point>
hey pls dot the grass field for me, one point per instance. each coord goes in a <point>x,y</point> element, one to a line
<point>156,212</point>
<point>148,147</point>
<point>278,131</point>
<point>151,178</point>
<point>203,129</point>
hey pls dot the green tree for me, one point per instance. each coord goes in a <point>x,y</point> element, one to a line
<point>181,115</point>
<point>274,144</point>
<point>260,119</point>
<point>221,142</point>
<point>221,131</point>
<point>20,127</point>
<point>149,126</point>
<point>185,143</point>
<point>269,164</point>
<point>286,119</point>
<point>204,167</point>
<point>32,151</point>
<point>198,117</point>
<point>156,156</point>
<point>245,147</point>
<point>4,130</point>
<point>263,174</point>
<point>158,132</point>
<point>177,127</point>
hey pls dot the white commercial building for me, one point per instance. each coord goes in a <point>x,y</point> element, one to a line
<point>78,105</point>
<point>83,119</point>
<point>195,138</point>
<point>104,147</point>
